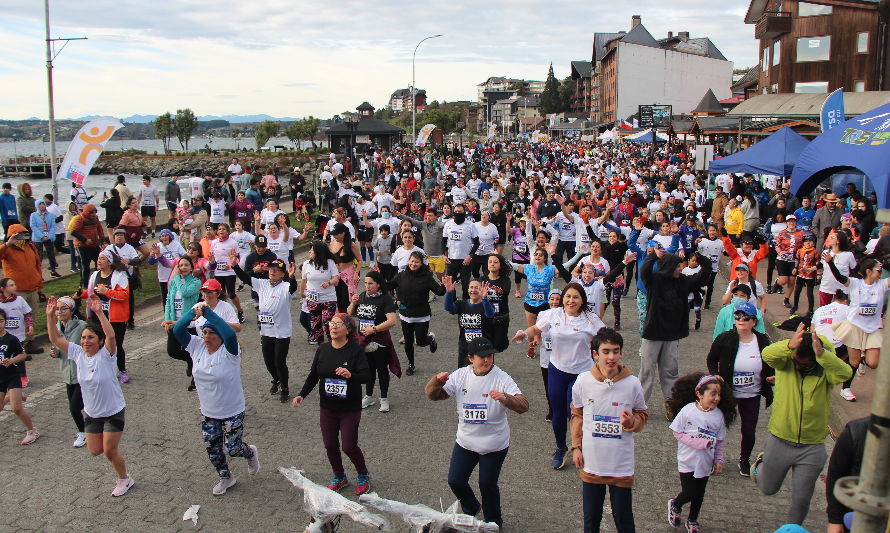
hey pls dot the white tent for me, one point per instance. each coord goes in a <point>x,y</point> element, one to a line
<point>608,135</point>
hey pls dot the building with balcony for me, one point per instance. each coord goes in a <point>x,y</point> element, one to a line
<point>400,100</point>
<point>581,75</point>
<point>820,46</point>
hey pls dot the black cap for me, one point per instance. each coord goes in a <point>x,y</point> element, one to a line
<point>260,241</point>
<point>338,229</point>
<point>480,346</point>
<point>279,264</point>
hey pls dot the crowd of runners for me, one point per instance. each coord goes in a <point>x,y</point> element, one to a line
<point>564,229</point>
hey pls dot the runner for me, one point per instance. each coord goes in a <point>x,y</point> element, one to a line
<point>184,291</point>
<point>823,321</point>
<point>71,328</point>
<point>162,254</point>
<point>471,314</point>
<point>11,355</point>
<point>149,199</point>
<point>413,287</point>
<point>112,285</point>
<point>498,278</point>
<point>540,277</point>
<point>345,253</point>
<point>377,314</point>
<point>461,241</point>
<point>483,393</point>
<point>223,256</point>
<point>319,277</point>
<point>19,320</point>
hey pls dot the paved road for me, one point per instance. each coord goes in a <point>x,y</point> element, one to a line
<point>50,486</point>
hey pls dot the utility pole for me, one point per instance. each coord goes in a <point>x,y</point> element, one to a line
<point>414,90</point>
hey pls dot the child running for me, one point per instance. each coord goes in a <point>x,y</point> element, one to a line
<point>706,408</point>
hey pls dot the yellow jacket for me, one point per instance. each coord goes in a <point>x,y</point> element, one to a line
<point>734,221</point>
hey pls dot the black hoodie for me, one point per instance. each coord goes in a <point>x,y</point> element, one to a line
<point>667,310</point>
<point>413,288</point>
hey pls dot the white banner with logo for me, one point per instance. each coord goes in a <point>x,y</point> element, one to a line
<point>86,147</point>
<point>424,134</point>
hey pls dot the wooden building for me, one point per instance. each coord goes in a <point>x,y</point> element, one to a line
<point>581,75</point>
<point>819,46</point>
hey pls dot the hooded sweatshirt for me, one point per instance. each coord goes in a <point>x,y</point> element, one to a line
<point>667,316</point>
<point>25,204</point>
<point>43,223</point>
<point>86,228</point>
<point>21,261</point>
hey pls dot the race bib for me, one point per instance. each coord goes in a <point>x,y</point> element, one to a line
<point>591,308</point>
<point>312,296</point>
<point>366,324</point>
<point>455,235</point>
<point>240,214</point>
<point>274,246</point>
<point>177,305</point>
<point>707,434</point>
<point>520,246</point>
<point>106,305</point>
<point>13,323</point>
<point>475,413</point>
<point>265,318</point>
<point>335,387</point>
<point>471,334</point>
<point>606,427</point>
<point>742,379</point>
<point>222,267</point>
<point>567,226</point>
<point>11,213</point>
<point>548,344</point>
<point>537,296</point>
<point>868,309</point>
<point>497,307</point>
<point>168,255</point>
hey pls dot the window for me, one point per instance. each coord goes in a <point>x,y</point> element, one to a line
<point>858,86</point>
<point>807,9</point>
<point>776,49</point>
<point>811,87</point>
<point>862,42</point>
<point>764,63</point>
<point>817,48</point>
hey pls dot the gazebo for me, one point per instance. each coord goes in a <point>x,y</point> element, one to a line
<point>367,131</point>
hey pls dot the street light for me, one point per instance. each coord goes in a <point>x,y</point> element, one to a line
<point>414,89</point>
<point>15,152</point>
<point>351,120</point>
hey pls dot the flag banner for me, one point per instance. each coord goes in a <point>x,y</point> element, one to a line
<point>832,112</point>
<point>424,134</point>
<point>86,147</point>
<point>492,130</point>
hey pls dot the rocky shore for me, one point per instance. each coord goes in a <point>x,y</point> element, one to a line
<point>310,165</point>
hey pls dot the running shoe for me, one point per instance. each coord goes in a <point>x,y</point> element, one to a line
<point>531,352</point>
<point>434,344</point>
<point>313,341</point>
<point>192,387</point>
<point>25,381</point>
<point>239,288</point>
<point>30,436</point>
<point>363,484</point>
<point>402,340</point>
<point>697,324</point>
<point>224,484</point>
<point>365,264</point>
<point>848,395</point>
<point>745,467</point>
<point>131,325</point>
<point>274,388</point>
<point>54,274</point>
<point>384,405</point>
<point>560,458</point>
<point>549,417</point>
<point>80,440</point>
<point>367,401</point>
<point>673,514</point>
<point>123,377</point>
<point>253,463</point>
<point>123,485</point>
<point>284,396</point>
<point>410,370</point>
<point>787,303</point>
<point>241,317</point>
<point>861,370</point>
<point>692,527</point>
<point>756,464</point>
<point>338,483</point>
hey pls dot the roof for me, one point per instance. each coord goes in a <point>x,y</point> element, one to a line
<point>581,69</point>
<point>681,125</point>
<point>528,101</point>
<point>708,104</point>
<point>807,105</point>
<point>365,106</point>
<point>599,44</point>
<point>752,77</point>
<point>737,99</point>
<point>641,36</point>
<point>717,123</point>
<point>366,126</point>
<point>405,93</point>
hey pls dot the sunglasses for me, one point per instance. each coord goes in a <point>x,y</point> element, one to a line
<point>744,318</point>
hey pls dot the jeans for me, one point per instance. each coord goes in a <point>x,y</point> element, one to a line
<point>560,395</point>
<point>415,332</point>
<point>275,356</point>
<point>229,430</point>
<point>463,462</point>
<point>621,500</point>
<point>565,246</point>
<point>337,426</point>
<point>749,412</point>
<point>692,491</point>
<point>805,462</point>
<point>75,258</point>
<point>47,249</point>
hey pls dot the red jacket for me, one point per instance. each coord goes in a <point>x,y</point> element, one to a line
<point>738,256</point>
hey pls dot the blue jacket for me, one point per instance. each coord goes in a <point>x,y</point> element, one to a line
<point>634,246</point>
<point>38,219</point>
<point>8,209</point>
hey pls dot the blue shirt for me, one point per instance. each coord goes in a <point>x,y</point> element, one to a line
<point>805,216</point>
<point>8,210</point>
<point>538,284</point>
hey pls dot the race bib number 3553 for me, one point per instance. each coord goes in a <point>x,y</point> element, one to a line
<point>606,427</point>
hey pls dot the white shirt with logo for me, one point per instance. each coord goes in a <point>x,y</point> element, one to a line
<point>15,317</point>
<point>217,379</point>
<point>709,425</point>
<point>97,375</point>
<point>866,304</point>
<point>828,315</point>
<point>460,238</point>
<point>482,421</point>
<point>746,370</point>
<point>315,276</point>
<point>571,337</point>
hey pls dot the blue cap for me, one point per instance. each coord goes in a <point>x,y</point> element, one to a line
<point>653,244</point>
<point>747,308</point>
<point>554,291</point>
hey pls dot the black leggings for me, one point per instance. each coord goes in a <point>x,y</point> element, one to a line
<point>692,491</point>
<point>275,356</point>
<point>120,329</point>
<point>88,255</point>
<point>415,332</point>
<point>546,390</point>
<point>479,264</point>
<point>378,360</point>
<point>629,276</point>
<point>811,284</point>
<point>176,351</point>
<point>710,288</point>
<point>458,271</point>
<point>75,404</point>
<point>770,266</point>
<point>517,275</point>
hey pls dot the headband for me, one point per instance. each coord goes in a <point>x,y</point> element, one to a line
<point>707,378</point>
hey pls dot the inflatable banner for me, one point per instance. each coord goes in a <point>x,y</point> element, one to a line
<point>424,134</point>
<point>86,147</point>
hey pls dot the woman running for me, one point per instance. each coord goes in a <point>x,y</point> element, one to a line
<point>71,328</point>
<point>12,353</point>
<point>19,321</point>
<point>519,254</point>
<point>554,300</point>
<point>342,367</point>
<point>222,262</point>
<point>112,285</point>
<point>184,292</point>
<point>103,400</point>
<point>483,393</point>
<point>163,253</point>
<point>345,253</point>
<point>319,277</point>
<point>540,276</point>
<point>376,312</point>
<point>413,287</point>
<point>400,255</point>
<point>498,279</point>
<point>216,360</point>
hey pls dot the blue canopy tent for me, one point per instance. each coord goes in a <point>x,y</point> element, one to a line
<point>860,144</point>
<point>774,155</point>
<point>646,136</point>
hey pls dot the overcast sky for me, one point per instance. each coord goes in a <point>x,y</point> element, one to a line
<point>287,58</point>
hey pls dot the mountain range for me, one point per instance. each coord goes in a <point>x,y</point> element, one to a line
<point>234,119</point>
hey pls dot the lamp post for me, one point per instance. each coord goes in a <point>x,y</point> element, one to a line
<point>460,135</point>
<point>414,89</point>
<point>15,152</point>
<point>351,120</point>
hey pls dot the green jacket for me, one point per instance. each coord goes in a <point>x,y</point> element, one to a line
<point>803,402</point>
<point>71,332</point>
<point>726,321</point>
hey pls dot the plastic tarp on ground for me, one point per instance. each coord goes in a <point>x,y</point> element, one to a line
<point>646,136</point>
<point>861,143</point>
<point>776,155</point>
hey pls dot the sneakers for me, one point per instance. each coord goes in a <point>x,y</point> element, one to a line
<point>131,325</point>
<point>692,527</point>
<point>549,417</point>
<point>434,344</point>
<point>241,317</point>
<point>365,264</point>
<point>123,485</point>
<point>284,397</point>
<point>192,387</point>
<point>384,405</point>
<point>756,464</point>
<point>745,467</point>
<point>30,436</point>
<point>402,340</point>
<point>123,377</point>
<point>861,370</point>
<point>848,395</point>
<point>367,401</point>
<point>312,341</point>
<point>673,514</point>
<point>560,457</point>
<point>253,463</point>
<point>54,274</point>
<point>239,288</point>
<point>531,352</point>
<point>769,290</point>
<point>274,388</point>
<point>787,303</point>
<point>363,485</point>
<point>410,371</point>
<point>697,324</point>
<point>225,483</point>
<point>338,483</point>
<point>80,440</point>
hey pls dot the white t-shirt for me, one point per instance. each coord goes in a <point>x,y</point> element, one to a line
<point>595,294</point>
<point>713,250</point>
<point>571,339</point>
<point>224,310</point>
<point>399,258</point>
<point>124,252</point>
<point>488,237</point>
<point>607,448</point>
<point>746,370</point>
<point>97,375</point>
<point>460,238</point>
<point>693,421</point>
<point>267,217</point>
<point>234,168</point>
<point>149,195</point>
<point>482,421</point>
<point>546,341</point>
<point>15,317</point>
<point>218,380</point>
<point>281,246</point>
<point>170,252</point>
<point>827,315</point>
<point>217,211</point>
<point>384,199</point>
<point>866,304</point>
<point>196,187</point>
<point>274,308</point>
<point>243,239</point>
<point>315,277</point>
<point>845,263</point>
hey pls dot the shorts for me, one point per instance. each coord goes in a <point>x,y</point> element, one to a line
<point>437,264</point>
<point>149,211</point>
<point>228,284</point>
<point>10,382</point>
<point>365,234</point>
<point>856,339</point>
<point>535,309</point>
<point>96,426</point>
<point>785,267</point>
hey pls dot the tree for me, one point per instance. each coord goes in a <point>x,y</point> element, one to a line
<point>550,96</point>
<point>184,125</point>
<point>164,130</point>
<point>264,132</point>
<point>564,94</point>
